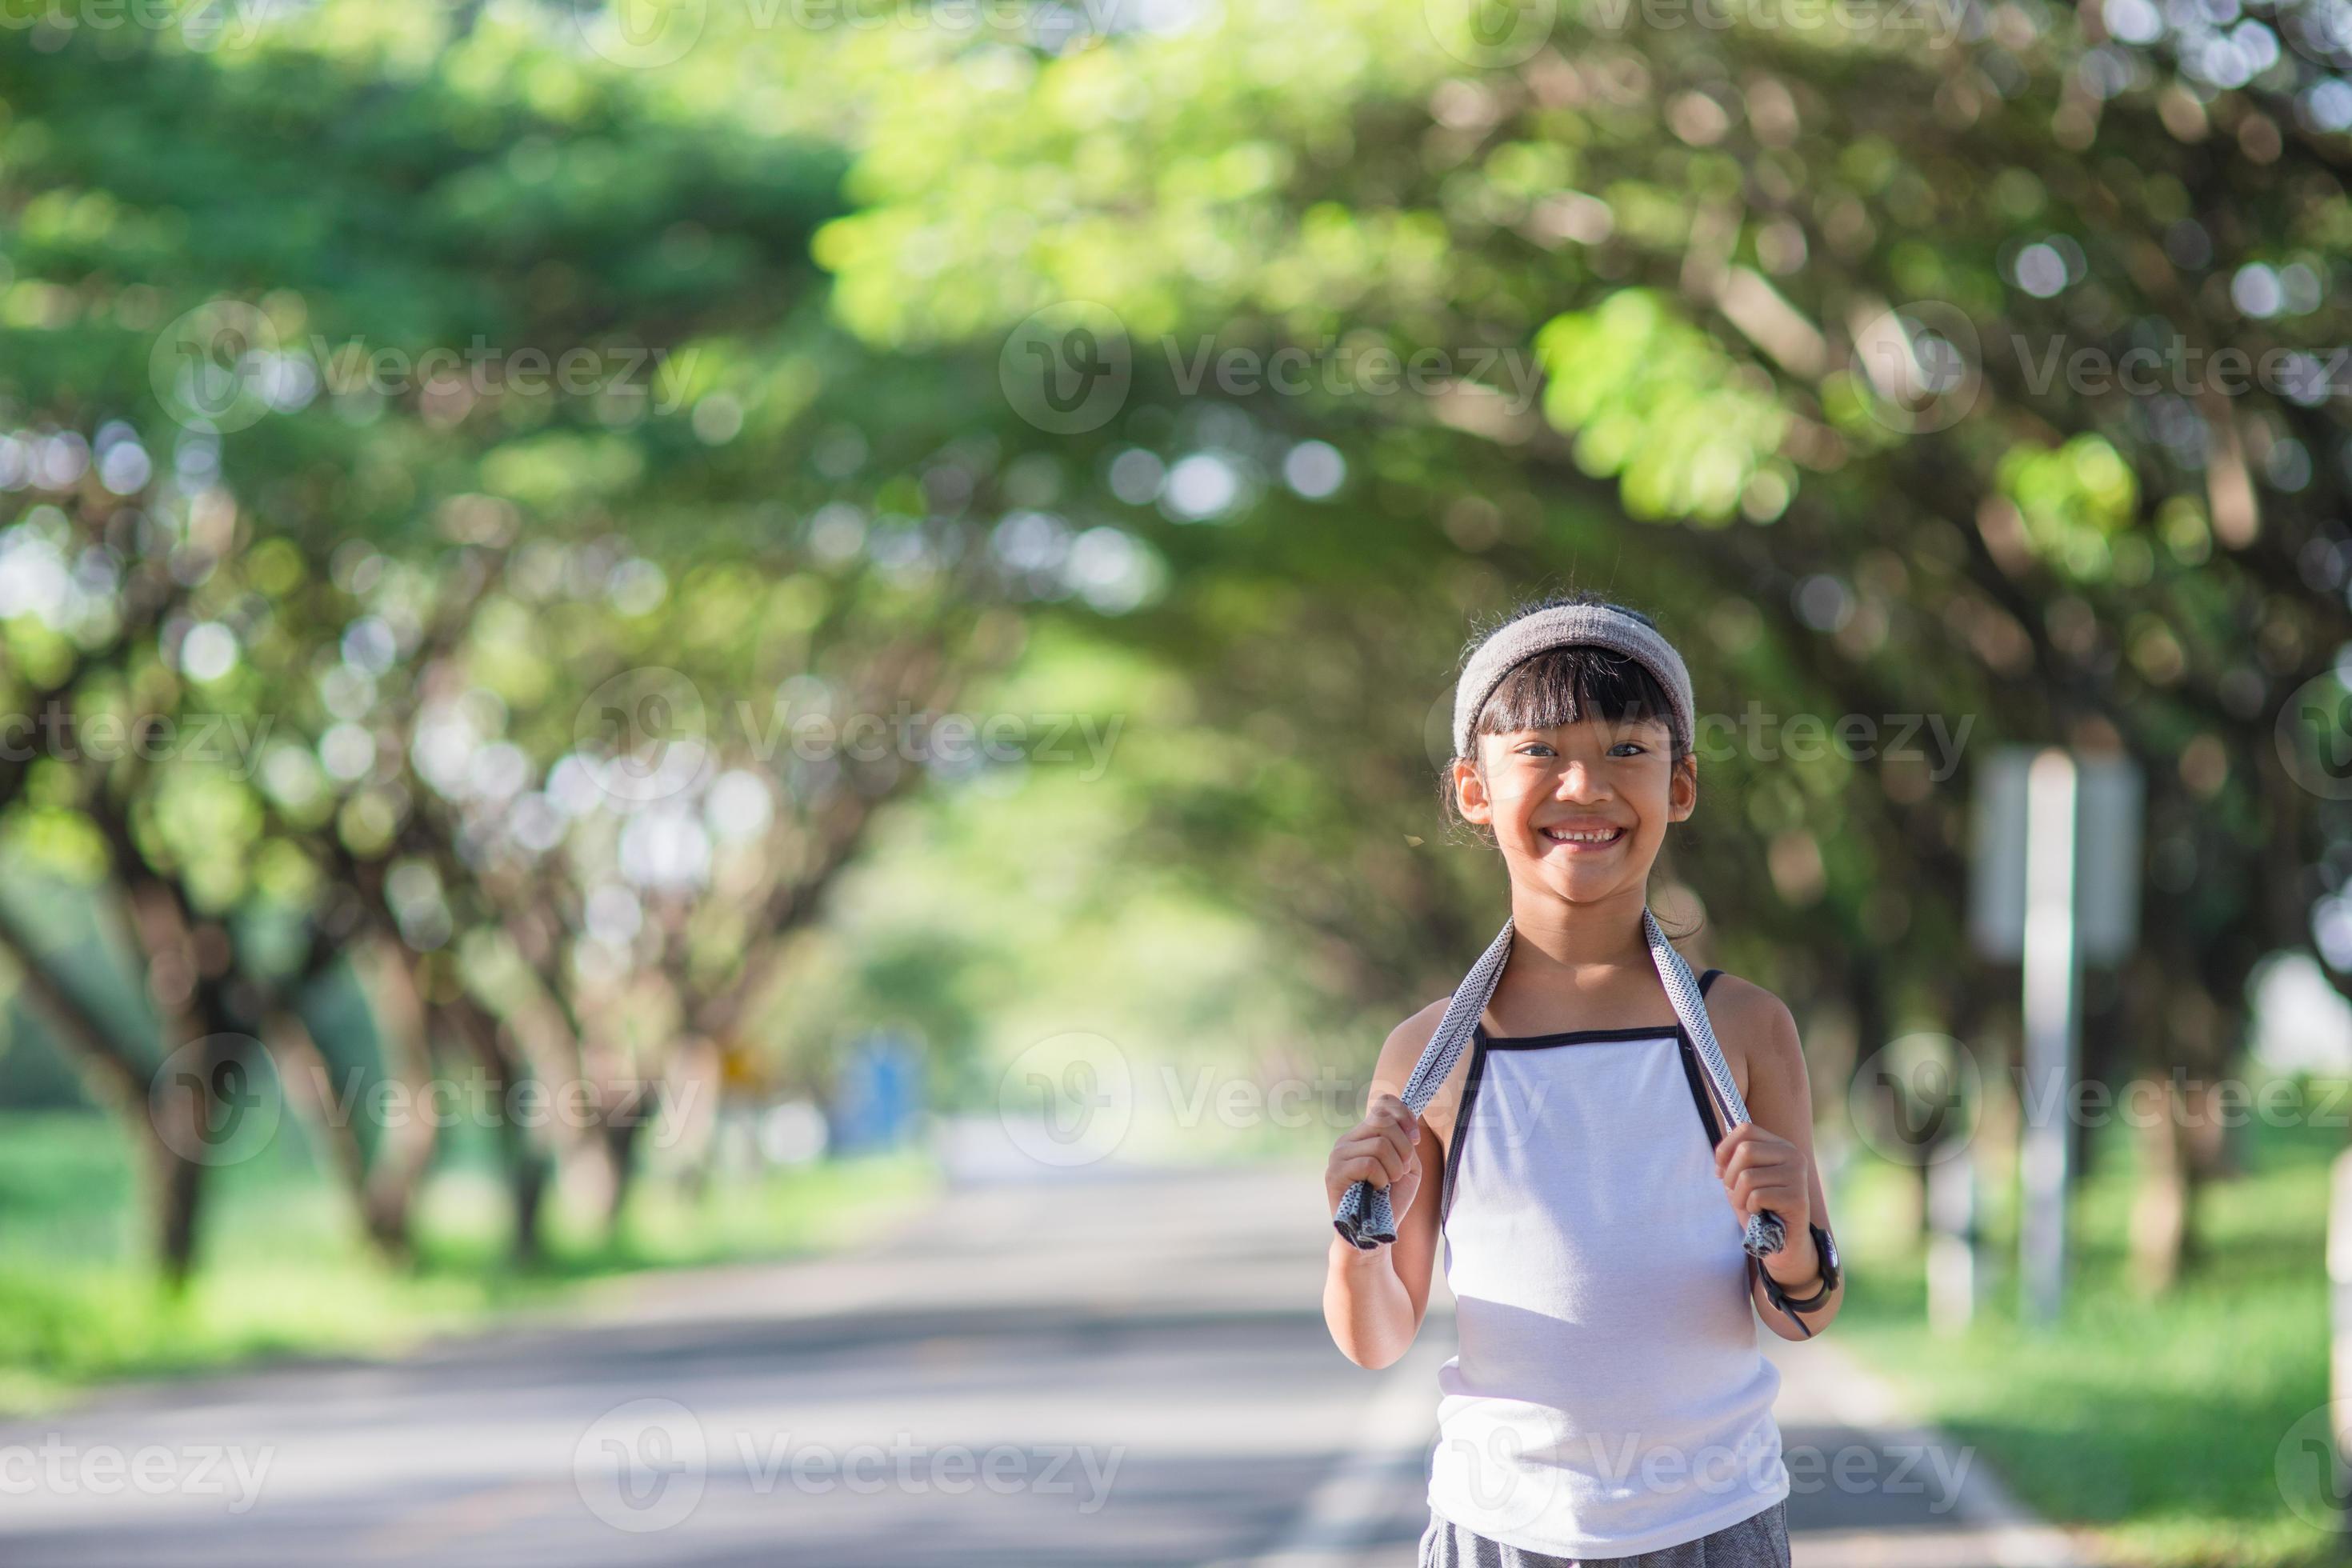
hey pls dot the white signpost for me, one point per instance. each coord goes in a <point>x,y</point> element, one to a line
<point>2056,886</point>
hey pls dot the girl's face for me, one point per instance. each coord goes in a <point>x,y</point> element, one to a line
<point>1580,809</point>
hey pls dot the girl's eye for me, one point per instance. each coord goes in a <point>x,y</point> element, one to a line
<point>1627,749</point>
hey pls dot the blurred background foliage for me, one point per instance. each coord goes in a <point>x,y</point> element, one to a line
<point>465,442</point>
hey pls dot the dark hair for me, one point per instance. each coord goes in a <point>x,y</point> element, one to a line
<point>1563,686</point>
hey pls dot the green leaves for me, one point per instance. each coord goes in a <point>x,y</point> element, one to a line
<point>1653,402</point>
<point>2074,499</point>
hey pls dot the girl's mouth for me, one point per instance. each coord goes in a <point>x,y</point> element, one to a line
<point>1583,839</point>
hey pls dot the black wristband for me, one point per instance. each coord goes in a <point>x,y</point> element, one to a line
<point>1826,1252</point>
<point>1826,1263</point>
<point>1807,1304</point>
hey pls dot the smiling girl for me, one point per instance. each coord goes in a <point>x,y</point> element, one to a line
<point>1623,1154</point>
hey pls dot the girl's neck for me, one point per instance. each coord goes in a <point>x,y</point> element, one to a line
<point>1550,932</point>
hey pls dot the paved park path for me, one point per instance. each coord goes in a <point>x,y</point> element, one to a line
<point>1127,1367</point>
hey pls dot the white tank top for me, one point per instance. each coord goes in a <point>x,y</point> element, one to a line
<point>1609,1398</point>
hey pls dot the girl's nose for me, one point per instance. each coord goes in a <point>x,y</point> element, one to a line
<point>1579,782</point>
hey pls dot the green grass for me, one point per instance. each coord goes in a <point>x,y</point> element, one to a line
<point>2156,1421</point>
<point>284,1270</point>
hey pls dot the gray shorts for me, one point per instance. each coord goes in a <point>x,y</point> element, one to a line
<point>1761,1541</point>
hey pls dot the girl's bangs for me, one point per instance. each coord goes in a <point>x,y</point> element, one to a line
<point>1569,684</point>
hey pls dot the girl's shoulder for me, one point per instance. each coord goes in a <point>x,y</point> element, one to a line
<point>1400,1053</point>
<point>1402,1050</point>
<point>1755,1029</point>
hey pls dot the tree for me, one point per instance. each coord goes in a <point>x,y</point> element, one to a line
<point>1822,313</point>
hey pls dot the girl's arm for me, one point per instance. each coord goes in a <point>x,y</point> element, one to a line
<point>1373,1302</point>
<point>1768,1163</point>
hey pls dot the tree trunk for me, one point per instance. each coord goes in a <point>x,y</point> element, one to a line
<point>187,967</point>
<point>697,1081</point>
<point>403,1152</point>
<point>173,1178</point>
<point>382,1199</point>
<point>527,1174</point>
<point>621,1132</point>
<point>494,1045</point>
<point>2214,1150</point>
<point>2165,1189</point>
<point>177,1202</point>
<point>181,1109</point>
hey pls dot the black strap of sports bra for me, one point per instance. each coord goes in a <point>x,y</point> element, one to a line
<point>1692,1070</point>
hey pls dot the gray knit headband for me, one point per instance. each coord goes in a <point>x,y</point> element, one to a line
<point>1571,626</point>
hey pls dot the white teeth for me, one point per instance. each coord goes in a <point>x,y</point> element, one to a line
<point>1594,836</point>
